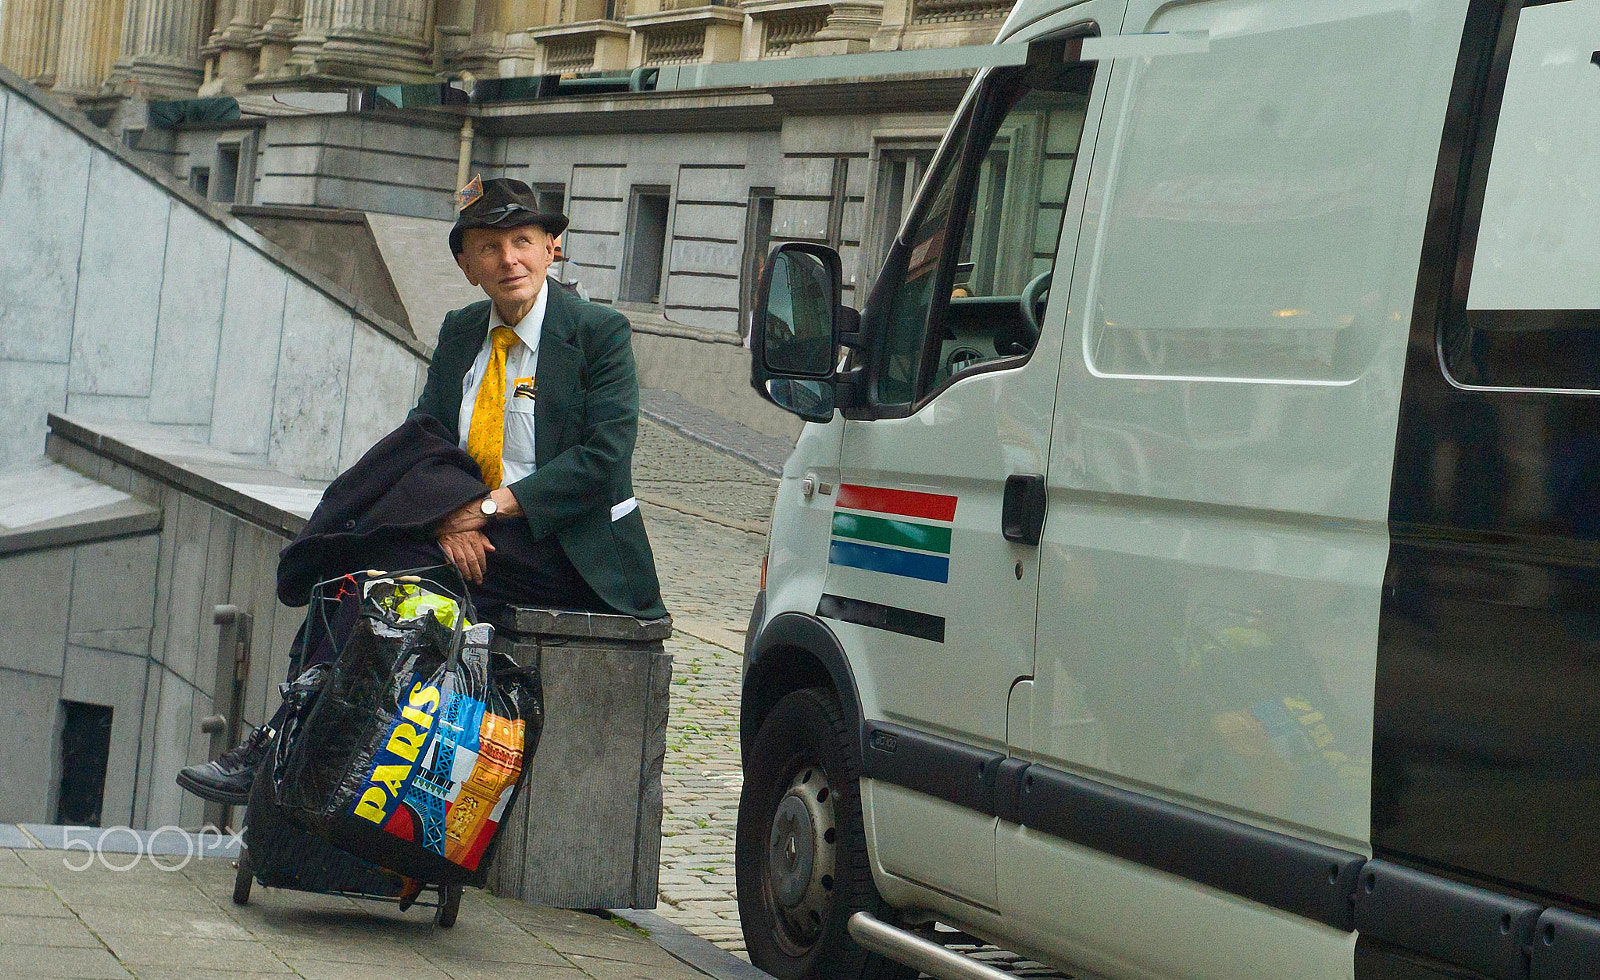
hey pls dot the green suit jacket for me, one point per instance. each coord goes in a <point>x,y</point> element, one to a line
<point>585,420</point>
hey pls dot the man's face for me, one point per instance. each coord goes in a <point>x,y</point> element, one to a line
<point>508,263</point>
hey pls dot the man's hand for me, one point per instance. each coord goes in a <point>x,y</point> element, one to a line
<point>467,517</point>
<point>468,551</point>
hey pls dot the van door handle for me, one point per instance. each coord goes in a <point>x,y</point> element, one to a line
<point>1022,508</point>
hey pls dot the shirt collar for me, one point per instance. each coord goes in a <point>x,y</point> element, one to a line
<point>527,330</point>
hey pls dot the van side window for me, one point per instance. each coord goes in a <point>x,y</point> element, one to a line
<point>1531,317</point>
<point>965,286</point>
<point>1254,196</point>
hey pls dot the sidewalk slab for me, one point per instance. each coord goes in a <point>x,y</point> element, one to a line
<point>12,837</point>
<point>118,913</point>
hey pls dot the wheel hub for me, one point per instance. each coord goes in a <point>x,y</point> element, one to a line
<point>800,859</point>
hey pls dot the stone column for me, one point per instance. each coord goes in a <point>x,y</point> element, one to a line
<point>91,37</point>
<point>161,47</point>
<point>378,41</point>
<point>236,61</point>
<point>850,28</point>
<point>277,38</point>
<point>316,19</point>
<point>28,38</point>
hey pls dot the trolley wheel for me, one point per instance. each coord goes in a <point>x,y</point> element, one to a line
<point>449,904</point>
<point>243,878</point>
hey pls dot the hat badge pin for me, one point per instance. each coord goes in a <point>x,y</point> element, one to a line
<point>470,193</point>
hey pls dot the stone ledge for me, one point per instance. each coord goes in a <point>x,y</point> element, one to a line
<point>239,485</point>
<point>47,505</point>
<point>518,622</point>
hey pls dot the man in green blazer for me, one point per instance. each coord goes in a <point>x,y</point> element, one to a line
<point>572,487</point>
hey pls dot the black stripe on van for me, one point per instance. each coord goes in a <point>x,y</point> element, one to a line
<point>907,622</point>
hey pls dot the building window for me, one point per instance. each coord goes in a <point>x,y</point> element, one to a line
<point>646,246</point>
<point>757,242</point>
<point>200,181</point>
<point>551,198</point>
<point>85,747</point>
<point>227,173</point>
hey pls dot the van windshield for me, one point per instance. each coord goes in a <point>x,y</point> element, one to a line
<point>966,282</point>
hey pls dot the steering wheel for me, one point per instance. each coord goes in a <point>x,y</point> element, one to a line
<point>1032,302</point>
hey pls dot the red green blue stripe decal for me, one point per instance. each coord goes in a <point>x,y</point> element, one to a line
<point>896,532</point>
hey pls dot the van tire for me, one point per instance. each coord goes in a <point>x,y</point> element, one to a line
<point>803,768</point>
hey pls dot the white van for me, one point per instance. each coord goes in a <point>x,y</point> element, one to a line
<point>1193,566</point>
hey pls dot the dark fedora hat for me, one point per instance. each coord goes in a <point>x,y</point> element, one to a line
<point>501,202</point>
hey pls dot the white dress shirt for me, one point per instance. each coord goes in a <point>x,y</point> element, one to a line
<point>522,361</point>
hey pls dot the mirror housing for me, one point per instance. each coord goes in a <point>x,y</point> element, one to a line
<point>796,329</point>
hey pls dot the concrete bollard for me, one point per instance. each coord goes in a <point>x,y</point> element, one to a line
<point>585,831</point>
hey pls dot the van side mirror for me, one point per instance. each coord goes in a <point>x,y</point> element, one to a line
<point>794,339</point>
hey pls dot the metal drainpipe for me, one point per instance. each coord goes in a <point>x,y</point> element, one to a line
<point>464,162</point>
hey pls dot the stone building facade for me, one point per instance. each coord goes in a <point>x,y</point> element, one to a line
<point>96,49</point>
<point>675,196</point>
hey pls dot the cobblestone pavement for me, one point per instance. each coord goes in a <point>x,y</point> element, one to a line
<point>706,514</point>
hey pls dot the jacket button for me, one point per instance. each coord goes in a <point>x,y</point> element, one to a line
<point>349,525</point>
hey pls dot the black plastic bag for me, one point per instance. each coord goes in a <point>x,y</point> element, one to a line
<point>415,745</point>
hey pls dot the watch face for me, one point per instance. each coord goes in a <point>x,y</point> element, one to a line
<point>488,507</point>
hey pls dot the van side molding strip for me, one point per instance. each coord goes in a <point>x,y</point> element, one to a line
<point>1472,927</point>
<point>1297,876</point>
<point>1399,911</point>
<point>1565,946</point>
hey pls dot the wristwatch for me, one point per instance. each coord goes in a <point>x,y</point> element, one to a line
<point>488,506</point>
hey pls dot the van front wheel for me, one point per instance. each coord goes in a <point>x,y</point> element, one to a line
<point>800,851</point>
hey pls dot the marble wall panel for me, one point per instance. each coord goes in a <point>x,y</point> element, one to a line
<point>382,379</point>
<point>133,407</point>
<point>189,526</point>
<point>144,778</point>
<point>176,726</point>
<point>384,136</point>
<point>119,281</point>
<point>189,324</point>
<point>34,639</point>
<point>703,291</point>
<point>709,221</point>
<point>713,184</point>
<point>713,257</point>
<point>313,376</point>
<point>247,355</point>
<point>113,587</point>
<point>29,390</point>
<point>117,680</point>
<point>421,198</point>
<point>598,180</point>
<point>29,731</point>
<point>807,177</point>
<point>803,220</point>
<point>43,186</point>
<point>589,250</point>
<point>593,215</point>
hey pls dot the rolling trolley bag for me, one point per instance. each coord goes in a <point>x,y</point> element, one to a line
<point>414,743</point>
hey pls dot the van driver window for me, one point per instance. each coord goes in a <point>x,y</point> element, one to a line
<point>967,284</point>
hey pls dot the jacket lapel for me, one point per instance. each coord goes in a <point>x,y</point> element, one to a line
<point>462,355</point>
<point>558,372</point>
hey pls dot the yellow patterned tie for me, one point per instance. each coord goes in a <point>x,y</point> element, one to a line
<point>486,437</point>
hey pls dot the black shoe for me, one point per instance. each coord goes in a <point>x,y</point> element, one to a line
<point>227,779</point>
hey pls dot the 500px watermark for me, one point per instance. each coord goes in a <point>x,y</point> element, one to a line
<point>122,848</point>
